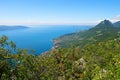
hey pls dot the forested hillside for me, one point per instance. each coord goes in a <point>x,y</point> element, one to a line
<point>105,30</point>
<point>97,60</point>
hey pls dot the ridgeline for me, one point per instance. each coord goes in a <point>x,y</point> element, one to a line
<point>95,55</point>
<point>105,30</point>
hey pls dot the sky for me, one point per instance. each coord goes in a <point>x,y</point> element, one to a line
<point>75,12</point>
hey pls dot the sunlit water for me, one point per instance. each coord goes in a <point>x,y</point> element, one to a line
<point>39,38</point>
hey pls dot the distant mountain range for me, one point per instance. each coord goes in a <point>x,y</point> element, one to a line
<point>105,30</point>
<point>117,24</point>
<point>4,27</point>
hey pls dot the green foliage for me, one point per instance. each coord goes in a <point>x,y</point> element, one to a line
<point>94,56</point>
<point>99,61</point>
<point>102,32</point>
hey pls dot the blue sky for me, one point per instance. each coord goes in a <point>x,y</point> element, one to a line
<point>35,12</point>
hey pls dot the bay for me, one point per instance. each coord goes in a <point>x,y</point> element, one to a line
<point>40,38</point>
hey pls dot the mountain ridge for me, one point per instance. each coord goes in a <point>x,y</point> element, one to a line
<point>6,27</point>
<point>105,30</point>
<point>117,24</point>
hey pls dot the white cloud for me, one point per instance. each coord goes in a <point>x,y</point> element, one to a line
<point>115,19</point>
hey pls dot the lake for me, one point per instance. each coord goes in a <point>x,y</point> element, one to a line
<point>40,38</point>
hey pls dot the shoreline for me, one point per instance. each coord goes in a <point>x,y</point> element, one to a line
<point>52,48</point>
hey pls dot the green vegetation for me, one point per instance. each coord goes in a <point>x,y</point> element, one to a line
<point>99,61</point>
<point>101,32</point>
<point>96,61</point>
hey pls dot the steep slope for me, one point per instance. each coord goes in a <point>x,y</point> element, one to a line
<point>105,30</point>
<point>100,61</point>
<point>117,24</point>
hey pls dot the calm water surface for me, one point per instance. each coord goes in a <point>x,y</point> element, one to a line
<point>39,38</point>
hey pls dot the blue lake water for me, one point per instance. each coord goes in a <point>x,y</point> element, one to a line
<point>40,38</point>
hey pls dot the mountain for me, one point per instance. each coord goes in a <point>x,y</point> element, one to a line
<point>105,23</point>
<point>4,27</point>
<point>99,61</point>
<point>117,24</point>
<point>105,30</point>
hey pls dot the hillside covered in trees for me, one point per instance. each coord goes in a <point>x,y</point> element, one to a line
<point>98,58</point>
<point>105,30</point>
